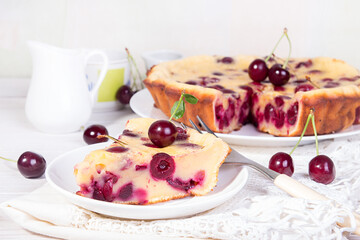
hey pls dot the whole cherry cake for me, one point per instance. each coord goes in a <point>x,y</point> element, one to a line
<point>229,98</point>
<point>139,172</point>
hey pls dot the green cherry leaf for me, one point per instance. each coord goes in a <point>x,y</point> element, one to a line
<point>178,109</point>
<point>190,98</point>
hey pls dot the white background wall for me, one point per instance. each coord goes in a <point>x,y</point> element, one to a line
<point>227,27</point>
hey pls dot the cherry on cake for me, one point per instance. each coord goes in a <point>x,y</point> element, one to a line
<point>138,172</point>
<point>228,98</point>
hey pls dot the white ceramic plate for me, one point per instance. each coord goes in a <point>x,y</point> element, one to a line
<point>60,176</point>
<point>143,104</point>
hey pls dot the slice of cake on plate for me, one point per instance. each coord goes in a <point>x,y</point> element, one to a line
<point>138,172</point>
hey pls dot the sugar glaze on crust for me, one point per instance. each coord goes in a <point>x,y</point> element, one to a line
<point>327,85</point>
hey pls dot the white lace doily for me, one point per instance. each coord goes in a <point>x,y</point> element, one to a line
<point>261,210</point>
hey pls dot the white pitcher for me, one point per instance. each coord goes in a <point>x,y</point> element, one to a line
<point>58,100</point>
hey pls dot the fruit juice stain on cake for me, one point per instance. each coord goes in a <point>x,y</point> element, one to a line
<point>137,173</point>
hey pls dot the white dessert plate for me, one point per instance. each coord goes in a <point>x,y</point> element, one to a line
<point>60,176</point>
<point>143,105</point>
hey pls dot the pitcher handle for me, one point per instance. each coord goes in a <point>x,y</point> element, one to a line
<point>94,90</point>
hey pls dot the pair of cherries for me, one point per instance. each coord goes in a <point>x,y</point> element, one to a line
<point>278,75</point>
<point>321,167</point>
<point>258,71</point>
<point>162,133</point>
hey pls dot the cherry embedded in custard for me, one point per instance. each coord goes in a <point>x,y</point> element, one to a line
<point>126,191</point>
<point>162,133</point>
<point>269,112</point>
<point>227,60</point>
<point>107,190</point>
<point>98,194</point>
<point>192,82</point>
<point>162,166</point>
<point>292,113</point>
<point>217,73</point>
<point>279,101</point>
<point>31,165</point>
<point>129,133</point>
<point>258,70</point>
<point>91,133</point>
<point>304,88</point>
<point>117,149</point>
<point>181,134</point>
<point>282,163</point>
<point>322,169</point>
<point>278,75</point>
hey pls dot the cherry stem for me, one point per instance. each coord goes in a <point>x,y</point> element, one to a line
<point>178,105</point>
<point>271,54</point>
<point>7,159</point>
<point>312,83</point>
<point>311,114</point>
<point>315,133</point>
<point>112,138</point>
<point>133,84</point>
<point>287,36</point>
<point>132,62</point>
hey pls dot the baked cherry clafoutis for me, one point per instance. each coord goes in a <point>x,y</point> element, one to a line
<point>228,98</point>
<point>138,172</point>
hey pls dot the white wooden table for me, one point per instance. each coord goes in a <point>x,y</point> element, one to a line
<point>17,135</point>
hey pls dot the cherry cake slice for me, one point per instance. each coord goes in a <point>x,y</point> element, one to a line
<point>228,98</point>
<point>141,173</point>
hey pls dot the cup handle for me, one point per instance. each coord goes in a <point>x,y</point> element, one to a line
<point>94,90</point>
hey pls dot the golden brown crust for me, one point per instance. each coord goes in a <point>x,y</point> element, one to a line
<point>335,108</point>
<point>165,95</point>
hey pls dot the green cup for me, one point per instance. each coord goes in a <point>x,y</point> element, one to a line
<point>118,74</point>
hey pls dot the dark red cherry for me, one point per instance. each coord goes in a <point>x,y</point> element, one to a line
<point>322,169</point>
<point>227,60</point>
<point>91,133</point>
<point>181,134</point>
<point>282,163</point>
<point>31,165</point>
<point>126,191</point>
<point>304,88</point>
<point>192,82</point>
<point>117,149</point>
<point>162,133</point>
<point>292,113</point>
<point>278,76</point>
<point>258,70</point>
<point>162,166</point>
<point>124,94</point>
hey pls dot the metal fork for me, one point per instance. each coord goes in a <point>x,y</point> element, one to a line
<point>235,158</point>
<point>284,182</point>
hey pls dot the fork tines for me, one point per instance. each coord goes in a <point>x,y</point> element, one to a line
<point>194,126</point>
<point>183,126</point>
<point>205,126</point>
